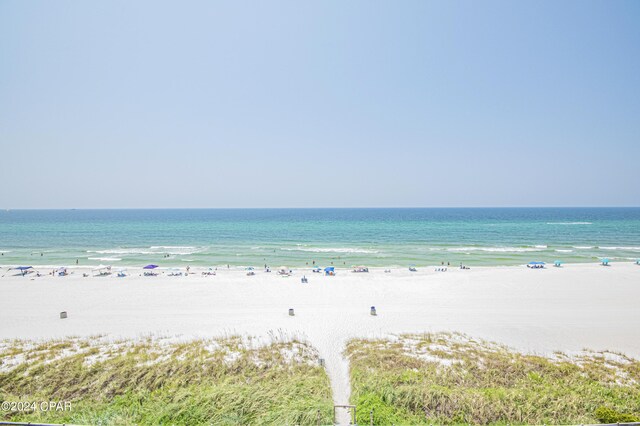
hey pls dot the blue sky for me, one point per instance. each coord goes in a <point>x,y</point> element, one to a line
<point>312,104</point>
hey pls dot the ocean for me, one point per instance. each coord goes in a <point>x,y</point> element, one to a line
<point>297,237</point>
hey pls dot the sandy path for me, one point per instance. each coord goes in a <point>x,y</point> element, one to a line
<point>540,311</point>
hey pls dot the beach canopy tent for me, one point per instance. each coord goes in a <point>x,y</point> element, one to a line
<point>150,267</point>
<point>557,263</point>
<point>537,263</point>
<point>605,261</point>
<point>23,269</point>
<point>99,267</point>
<point>637,261</point>
<point>102,270</point>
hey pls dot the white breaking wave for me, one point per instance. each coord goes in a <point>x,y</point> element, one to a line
<point>330,250</point>
<point>569,223</point>
<point>175,250</point>
<point>582,247</point>
<point>541,246</point>
<point>620,248</point>
<point>498,249</point>
<point>564,251</point>
<point>105,259</point>
<point>171,247</point>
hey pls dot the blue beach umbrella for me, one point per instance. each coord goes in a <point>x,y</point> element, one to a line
<point>150,267</point>
<point>558,262</point>
<point>605,261</point>
<point>329,269</point>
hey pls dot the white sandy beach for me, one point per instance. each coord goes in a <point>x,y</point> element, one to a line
<point>570,308</point>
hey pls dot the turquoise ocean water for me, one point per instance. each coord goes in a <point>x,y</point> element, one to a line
<point>295,237</point>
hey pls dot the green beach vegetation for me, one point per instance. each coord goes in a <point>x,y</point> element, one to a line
<point>453,379</point>
<point>230,380</point>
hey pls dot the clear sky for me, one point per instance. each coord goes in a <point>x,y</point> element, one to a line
<point>313,104</point>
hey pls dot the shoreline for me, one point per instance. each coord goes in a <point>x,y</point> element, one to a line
<point>305,268</point>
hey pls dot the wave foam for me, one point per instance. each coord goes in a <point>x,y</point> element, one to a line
<point>564,251</point>
<point>583,247</point>
<point>498,249</point>
<point>620,248</point>
<point>175,250</point>
<point>105,259</point>
<point>330,250</point>
<point>569,223</point>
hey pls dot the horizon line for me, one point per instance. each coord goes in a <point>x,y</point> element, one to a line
<point>319,208</point>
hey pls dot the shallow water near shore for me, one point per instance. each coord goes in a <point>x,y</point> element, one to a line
<point>296,237</point>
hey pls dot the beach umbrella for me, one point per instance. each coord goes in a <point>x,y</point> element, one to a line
<point>150,267</point>
<point>329,269</point>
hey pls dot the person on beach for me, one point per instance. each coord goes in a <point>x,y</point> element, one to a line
<point>187,269</point>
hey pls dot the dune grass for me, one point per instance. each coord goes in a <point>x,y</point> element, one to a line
<point>153,381</point>
<point>453,379</point>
